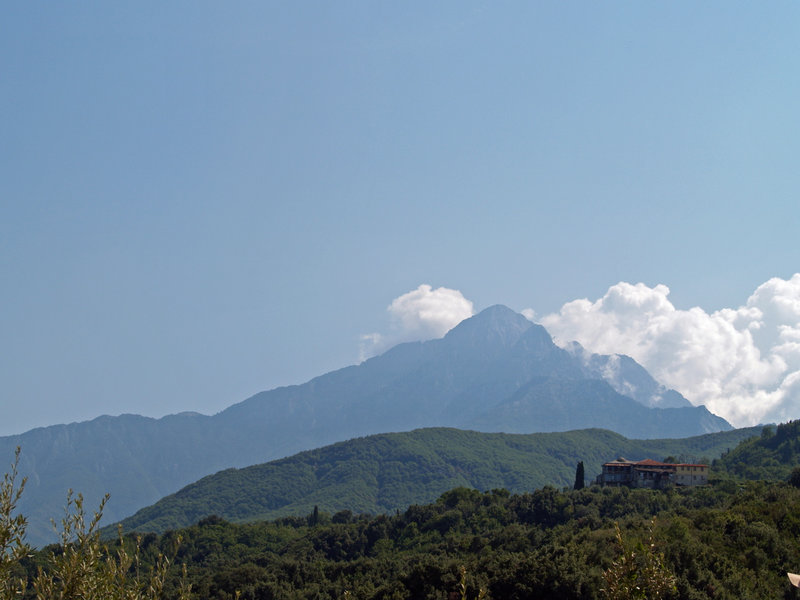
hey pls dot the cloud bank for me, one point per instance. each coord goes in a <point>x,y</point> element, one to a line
<point>421,314</point>
<point>742,363</point>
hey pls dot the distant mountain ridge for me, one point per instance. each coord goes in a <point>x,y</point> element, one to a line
<point>494,372</point>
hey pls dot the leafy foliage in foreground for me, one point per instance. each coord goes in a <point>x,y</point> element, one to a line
<point>80,567</point>
<point>639,571</point>
<point>384,473</point>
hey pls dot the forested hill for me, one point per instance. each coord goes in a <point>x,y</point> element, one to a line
<point>383,473</point>
<point>771,455</point>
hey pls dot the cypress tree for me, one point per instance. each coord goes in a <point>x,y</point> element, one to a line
<point>579,477</point>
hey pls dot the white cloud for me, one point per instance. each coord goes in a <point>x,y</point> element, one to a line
<point>421,314</point>
<point>743,363</point>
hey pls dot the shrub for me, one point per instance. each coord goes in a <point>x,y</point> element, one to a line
<point>80,566</point>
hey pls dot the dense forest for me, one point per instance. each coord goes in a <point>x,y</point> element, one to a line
<point>730,540</point>
<point>735,538</point>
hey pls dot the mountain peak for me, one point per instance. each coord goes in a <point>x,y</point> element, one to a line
<point>497,325</point>
<point>499,311</point>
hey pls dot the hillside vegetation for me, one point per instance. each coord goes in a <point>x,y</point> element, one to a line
<point>771,455</point>
<point>726,542</point>
<point>388,472</point>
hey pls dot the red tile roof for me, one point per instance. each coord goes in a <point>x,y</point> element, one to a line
<point>649,462</point>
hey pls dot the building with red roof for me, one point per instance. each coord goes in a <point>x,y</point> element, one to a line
<point>650,473</point>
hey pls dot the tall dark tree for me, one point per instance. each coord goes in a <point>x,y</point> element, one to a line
<point>794,478</point>
<point>579,477</point>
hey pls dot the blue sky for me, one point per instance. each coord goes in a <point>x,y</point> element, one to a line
<point>199,201</point>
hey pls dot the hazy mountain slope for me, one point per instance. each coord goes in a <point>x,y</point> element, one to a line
<point>456,381</point>
<point>548,404</point>
<point>385,472</point>
<point>628,377</point>
<point>466,379</point>
<point>134,458</point>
